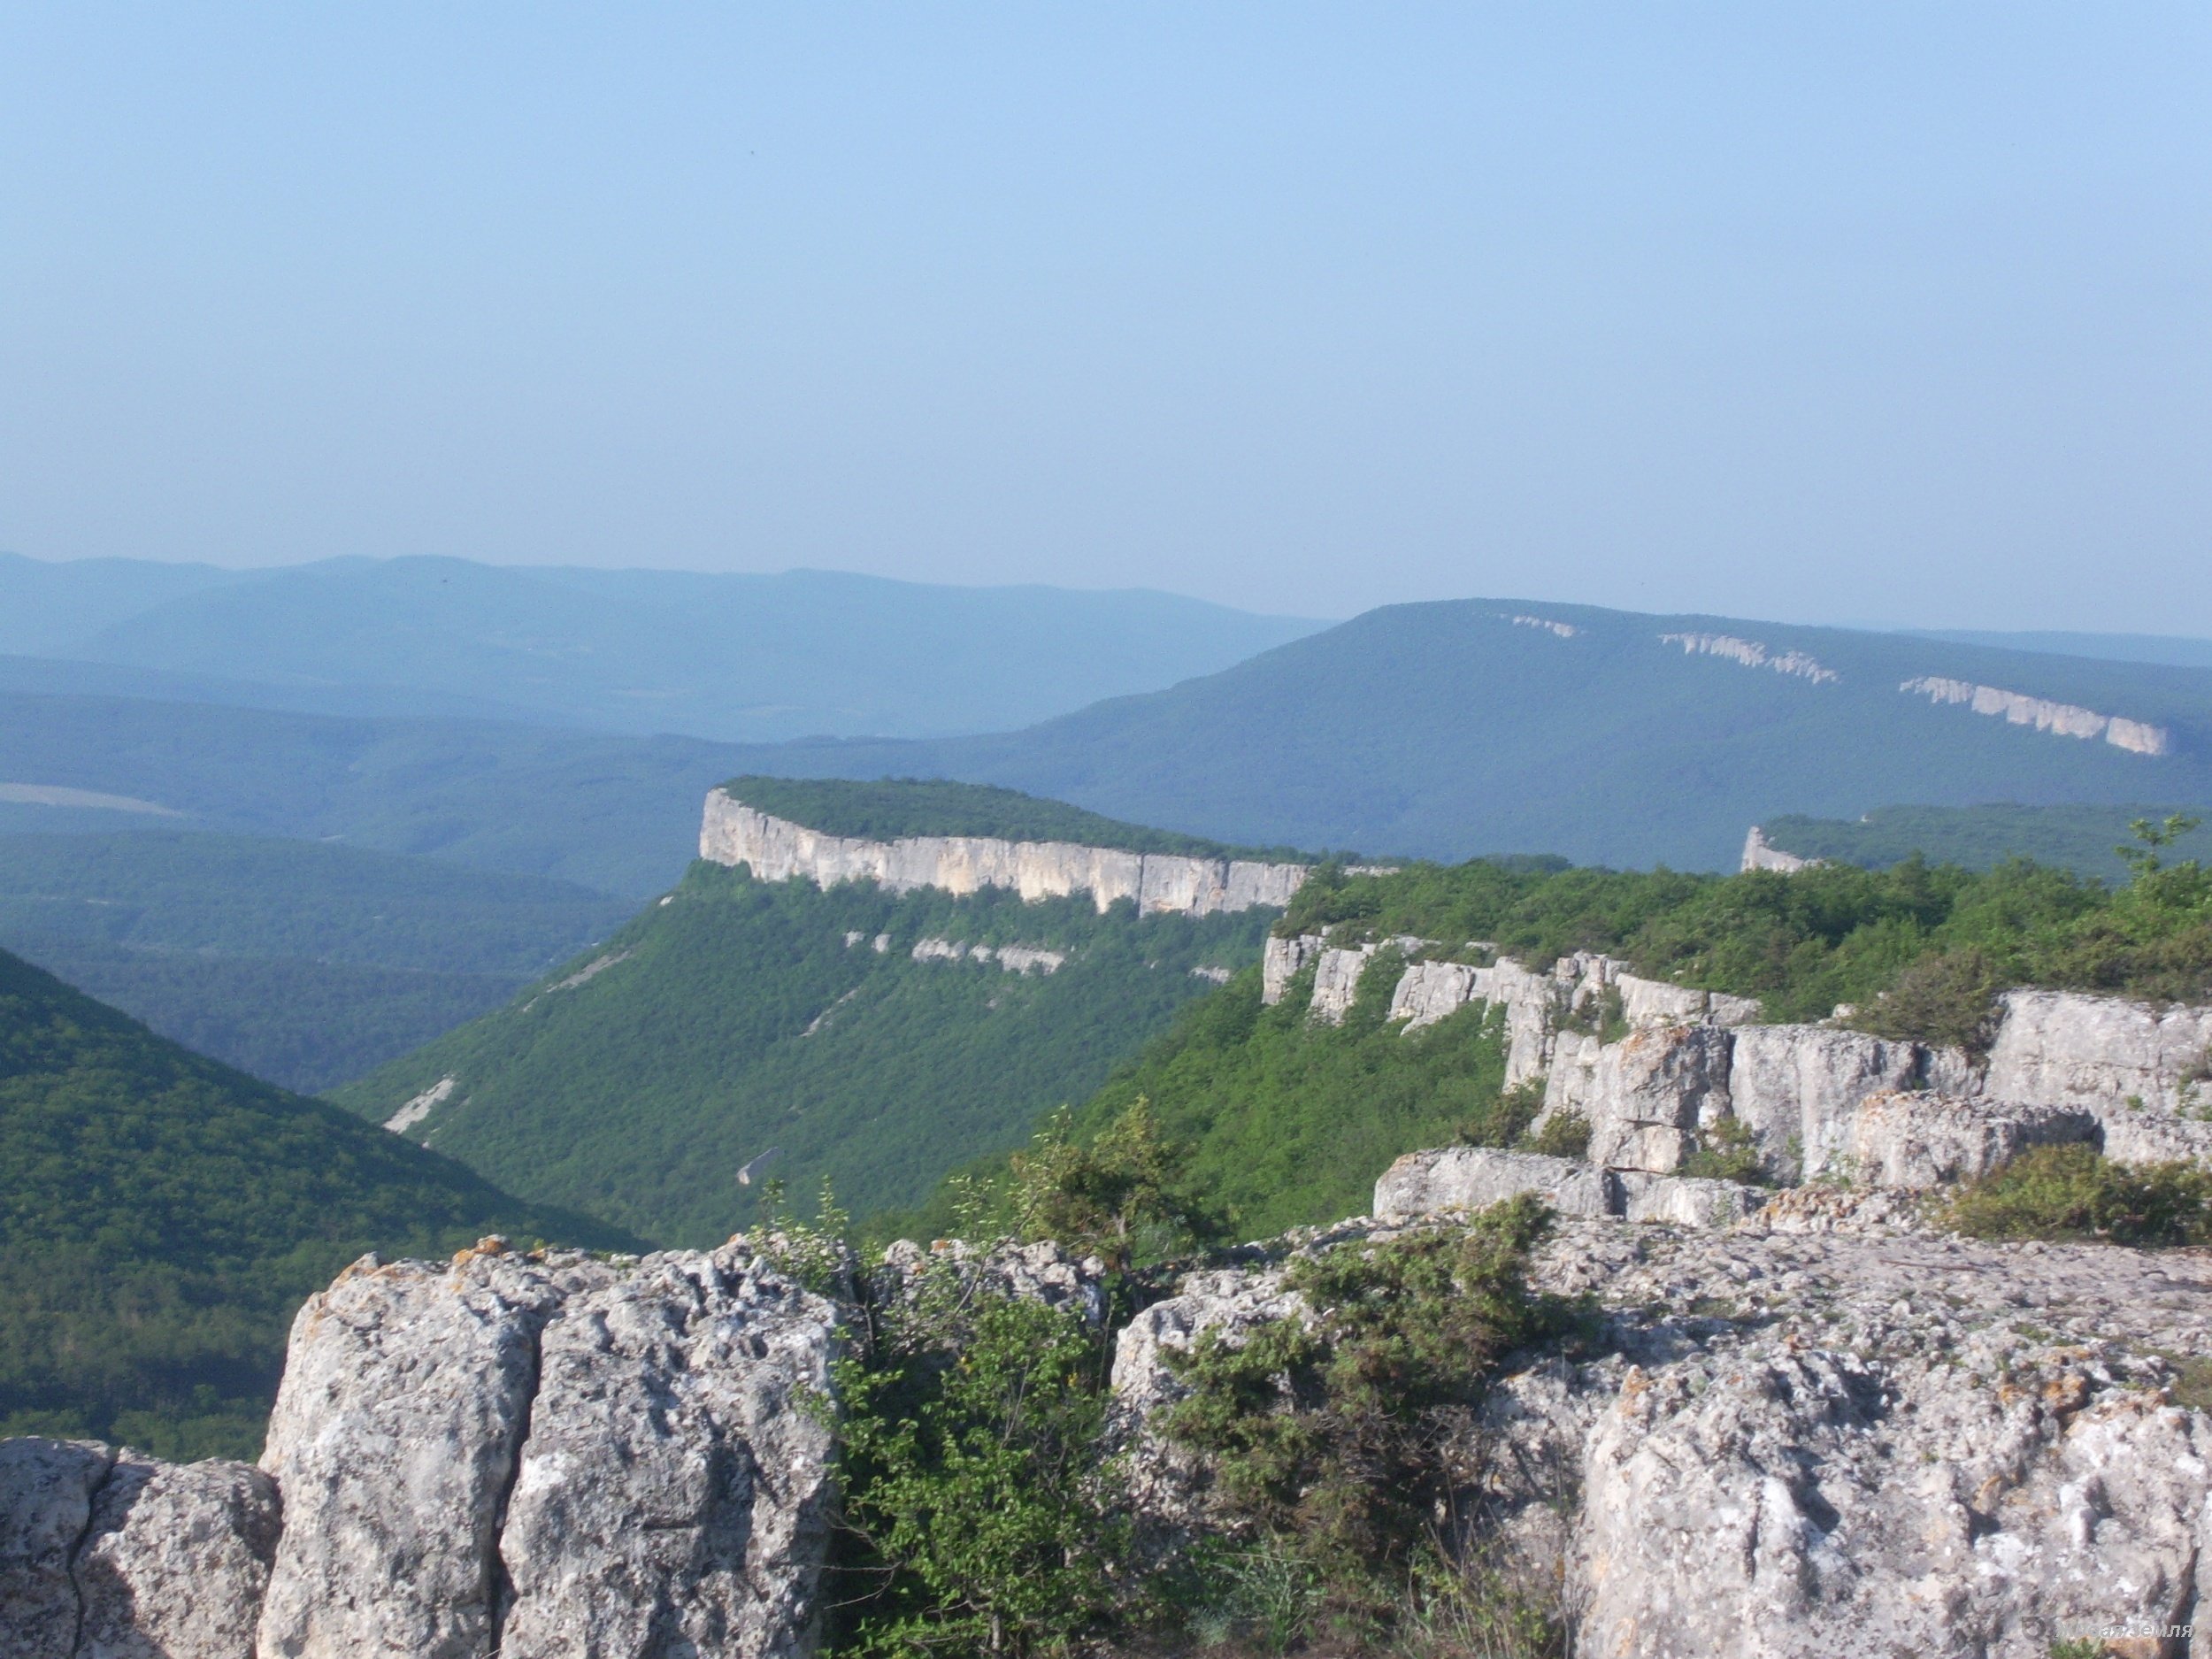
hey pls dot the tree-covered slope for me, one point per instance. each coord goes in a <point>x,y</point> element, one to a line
<point>735,1017</point>
<point>1276,1120</point>
<point>305,963</point>
<point>2083,838</point>
<point>162,1216</point>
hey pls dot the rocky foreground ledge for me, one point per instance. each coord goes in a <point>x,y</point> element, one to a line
<point>1821,1431</point>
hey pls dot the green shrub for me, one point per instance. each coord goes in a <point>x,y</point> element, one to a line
<point>974,1511</point>
<point>1949,998</point>
<point>1727,1150</point>
<point>2073,1192</point>
<point>1562,1135</point>
<point>1325,1435</point>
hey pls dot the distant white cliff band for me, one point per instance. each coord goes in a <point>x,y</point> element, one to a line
<point>1751,654</point>
<point>2064,718</point>
<point>1157,883</point>
<point>1565,630</point>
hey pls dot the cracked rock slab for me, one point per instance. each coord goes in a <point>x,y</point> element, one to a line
<point>46,1489</point>
<point>176,1561</point>
<point>674,1488</point>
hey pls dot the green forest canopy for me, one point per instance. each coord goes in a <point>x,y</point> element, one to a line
<point>893,806</point>
<point>162,1217</point>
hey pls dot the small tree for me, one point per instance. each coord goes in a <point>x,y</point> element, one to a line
<point>1110,1196</point>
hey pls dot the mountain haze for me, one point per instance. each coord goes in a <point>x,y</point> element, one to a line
<point>1452,729</point>
<point>736,656</point>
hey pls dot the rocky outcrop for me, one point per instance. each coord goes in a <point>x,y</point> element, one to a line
<point>1798,1088</point>
<point>2065,719</point>
<point>2063,1048</point>
<point>1783,1443</point>
<point>1646,1096</point>
<point>1761,854</point>
<point>732,832</point>
<point>1013,958</point>
<point>1462,1179</point>
<point>526,1456</point>
<point>112,1555</point>
<point>1472,1177</point>
<point>1752,654</point>
<point>176,1561</point>
<point>1924,1139</point>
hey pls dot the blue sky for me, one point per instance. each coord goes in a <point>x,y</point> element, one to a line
<point>1895,312</point>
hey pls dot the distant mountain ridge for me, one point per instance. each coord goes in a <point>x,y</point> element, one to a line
<point>1612,737</point>
<point>738,657</point>
<point>1445,730</point>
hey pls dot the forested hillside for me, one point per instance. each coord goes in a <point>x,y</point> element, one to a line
<point>162,1216</point>
<point>2087,840</point>
<point>736,1017</point>
<point>304,963</point>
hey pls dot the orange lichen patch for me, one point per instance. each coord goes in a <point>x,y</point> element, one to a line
<point>2067,1393</point>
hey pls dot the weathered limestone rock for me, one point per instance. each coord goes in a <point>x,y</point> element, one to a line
<point>1686,1201</point>
<point>406,1394</point>
<point>1892,1445</point>
<point>46,1489</point>
<point>555,1456</point>
<point>1819,1446</point>
<point>1430,991</point>
<point>1280,960</point>
<point>175,1561</point>
<point>1651,1090</point>
<point>732,832</point>
<point>1798,1088</point>
<point>1336,977</point>
<point>672,1487</point>
<point>1472,1177</point>
<point>1427,1183</point>
<point>2150,1137</point>
<point>1926,1140</point>
<point>2063,1048</point>
<point>1760,854</point>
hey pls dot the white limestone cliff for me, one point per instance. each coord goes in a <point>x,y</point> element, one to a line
<point>2064,719</point>
<point>1761,854</point>
<point>732,832</point>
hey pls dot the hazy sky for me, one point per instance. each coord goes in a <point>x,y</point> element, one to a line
<point>1884,311</point>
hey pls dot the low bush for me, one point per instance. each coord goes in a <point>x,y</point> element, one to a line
<point>2074,1192</point>
<point>1727,1150</point>
<point>1338,1439</point>
<point>1560,1135</point>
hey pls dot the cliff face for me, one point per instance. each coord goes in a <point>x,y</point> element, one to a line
<point>2133,1080</point>
<point>732,832</point>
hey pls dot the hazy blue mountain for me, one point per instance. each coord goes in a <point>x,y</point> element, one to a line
<point>46,606</point>
<point>1447,730</point>
<point>1436,730</point>
<point>613,812</point>
<point>754,657</point>
<point>2116,648</point>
